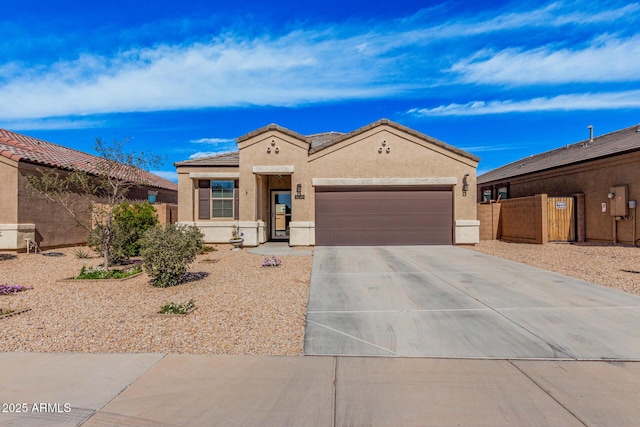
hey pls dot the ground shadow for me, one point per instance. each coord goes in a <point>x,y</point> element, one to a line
<point>7,257</point>
<point>193,276</point>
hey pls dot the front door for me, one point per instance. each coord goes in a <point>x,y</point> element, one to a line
<point>280,214</point>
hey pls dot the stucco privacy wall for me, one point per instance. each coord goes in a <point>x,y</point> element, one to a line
<point>489,217</point>
<point>407,157</point>
<point>524,219</point>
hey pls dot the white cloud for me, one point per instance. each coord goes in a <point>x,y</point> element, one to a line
<point>607,59</point>
<point>322,64</point>
<point>295,69</point>
<point>50,124</point>
<point>169,175</point>
<point>587,101</point>
<point>555,14</point>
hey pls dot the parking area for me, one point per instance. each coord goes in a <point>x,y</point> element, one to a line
<point>447,301</point>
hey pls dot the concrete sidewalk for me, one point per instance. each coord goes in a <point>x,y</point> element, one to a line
<point>198,390</point>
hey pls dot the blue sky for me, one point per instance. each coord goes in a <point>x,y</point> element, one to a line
<point>502,80</point>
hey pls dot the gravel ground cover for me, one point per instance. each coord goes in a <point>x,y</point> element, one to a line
<point>242,308</point>
<point>612,266</point>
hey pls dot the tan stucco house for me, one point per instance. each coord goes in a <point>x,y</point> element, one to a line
<point>26,214</point>
<point>382,184</point>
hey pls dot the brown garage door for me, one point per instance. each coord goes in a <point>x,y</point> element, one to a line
<point>383,216</point>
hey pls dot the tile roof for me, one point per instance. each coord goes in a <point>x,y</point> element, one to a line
<point>24,148</point>
<point>618,142</point>
<point>223,159</point>
<point>317,142</point>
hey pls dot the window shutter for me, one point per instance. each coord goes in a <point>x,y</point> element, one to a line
<point>236,200</point>
<point>204,199</point>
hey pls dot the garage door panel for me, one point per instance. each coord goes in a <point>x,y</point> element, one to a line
<point>388,221</point>
<point>384,217</point>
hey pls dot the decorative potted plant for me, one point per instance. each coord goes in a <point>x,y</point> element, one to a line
<point>237,238</point>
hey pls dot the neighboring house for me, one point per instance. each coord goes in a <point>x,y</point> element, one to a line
<point>382,184</point>
<point>26,214</point>
<point>601,174</point>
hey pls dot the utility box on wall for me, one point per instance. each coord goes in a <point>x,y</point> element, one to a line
<point>619,200</point>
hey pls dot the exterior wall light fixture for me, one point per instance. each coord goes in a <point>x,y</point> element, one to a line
<point>465,184</point>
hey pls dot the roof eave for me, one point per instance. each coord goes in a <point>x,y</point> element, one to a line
<point>270,128</point>
<point>578,162</point>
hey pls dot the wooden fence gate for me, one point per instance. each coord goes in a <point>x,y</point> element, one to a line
<point>561,219</point>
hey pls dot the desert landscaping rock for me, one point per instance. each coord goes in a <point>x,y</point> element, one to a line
<point>604,264</point>
<point>242,308</point>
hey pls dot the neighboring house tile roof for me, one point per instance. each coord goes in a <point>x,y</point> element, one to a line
<point>24,148</point>
<point>611,144</point>
<point>316,142</point>
<point>223,159</point>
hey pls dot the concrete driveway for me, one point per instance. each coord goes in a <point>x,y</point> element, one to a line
<point>445,301</point>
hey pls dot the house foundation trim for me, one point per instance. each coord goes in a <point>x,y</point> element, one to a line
<point>13,236</point>
<point>318,182</point>
<point>303,233</point>
<point>467,232</point>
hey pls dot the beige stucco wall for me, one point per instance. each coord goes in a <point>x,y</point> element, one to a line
<point>187,187</point>
<point>594,179</point>
<point>290,152</point>
<point>267,155</point>
<point>8,191</point>
<point>272,154</point>
<point>387,153</point>
<point>12,232</point>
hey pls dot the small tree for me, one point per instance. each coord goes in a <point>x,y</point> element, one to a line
<point>167,251</point>
<point>103,184</point>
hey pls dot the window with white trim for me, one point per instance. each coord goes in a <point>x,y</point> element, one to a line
<point>222,199</point>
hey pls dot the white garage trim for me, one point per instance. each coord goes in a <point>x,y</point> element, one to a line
<point>449,180</point>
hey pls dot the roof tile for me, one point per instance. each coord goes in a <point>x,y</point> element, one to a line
<point>20,147</point>
<point>613,143</point>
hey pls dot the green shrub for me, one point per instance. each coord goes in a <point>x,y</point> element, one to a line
<point>167,251</point>
<point>175,308</point>
<point>81,253</point>
<point>130,221</point>
<point>207,248</point>
<point>96,273</point>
